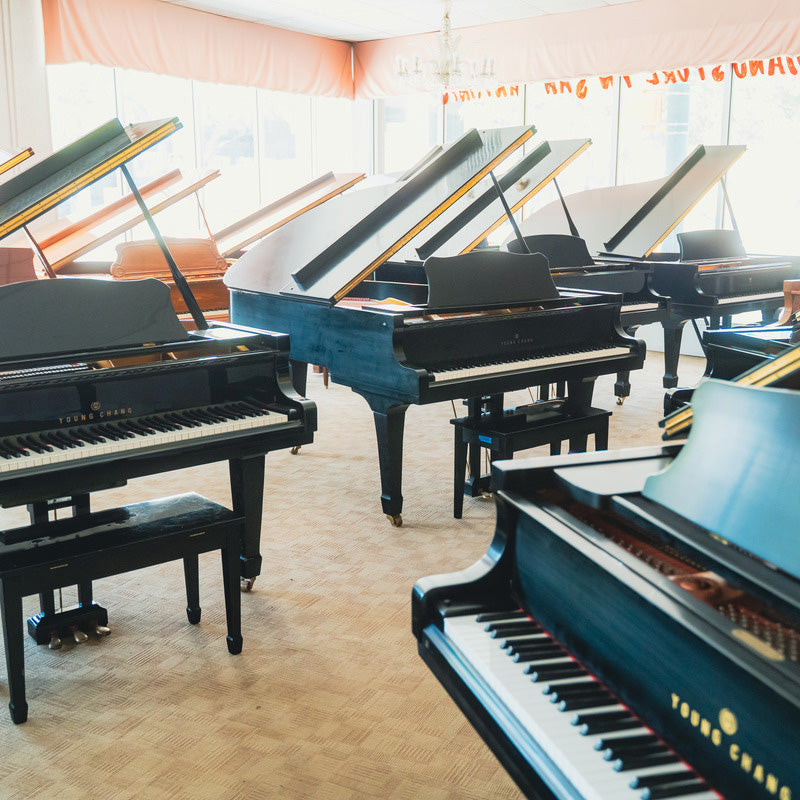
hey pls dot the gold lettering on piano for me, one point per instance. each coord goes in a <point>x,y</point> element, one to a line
<point>729,726</point>
<point>73,419</point>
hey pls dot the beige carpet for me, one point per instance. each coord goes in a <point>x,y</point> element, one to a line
<point>328,698</point>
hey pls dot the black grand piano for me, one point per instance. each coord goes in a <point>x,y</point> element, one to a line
<point>710,277</point>
<point>633,631</point>
<point>481,324</point>
<point>466,228</point>
<point>101,383</point>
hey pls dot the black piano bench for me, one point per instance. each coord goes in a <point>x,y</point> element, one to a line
<point>50,555</point>
<point>505,432</point>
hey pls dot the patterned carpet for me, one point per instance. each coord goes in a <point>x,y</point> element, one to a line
<point>328,699</point>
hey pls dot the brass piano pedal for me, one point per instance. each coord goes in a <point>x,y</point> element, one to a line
<point>395,519</point>
<point>102,630</point>
<point>295,450</point>
<point>620,401</point>
<point>55,641</point>
<point>246,584</point>
<point>78,635</point>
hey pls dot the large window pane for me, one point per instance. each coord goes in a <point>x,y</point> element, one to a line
<point>144,96</point>
<point>661,123</point>
<point>342,135</point>
<point>226,140</point>
<point>412,125</point>
<point>763,184</point>
<point>285,129</point>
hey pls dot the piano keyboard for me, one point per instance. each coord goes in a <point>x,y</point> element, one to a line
<point>591,738</point>
<point>643,306</point>
<point>744,298</point>
<point>499,368</point>
<point>56,447</point>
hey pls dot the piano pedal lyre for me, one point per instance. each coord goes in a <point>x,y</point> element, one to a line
<point>55,641</point>
<point>620,401</point>
<point>101,630</point>
<point>295,450</point>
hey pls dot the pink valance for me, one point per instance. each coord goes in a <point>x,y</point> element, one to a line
<point>620,39</point>
<point>168,39</point>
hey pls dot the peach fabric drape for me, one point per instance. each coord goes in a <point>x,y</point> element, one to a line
<point>168,39</point>
<point>613,40</point>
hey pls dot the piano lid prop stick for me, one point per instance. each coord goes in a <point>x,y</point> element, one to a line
<point>520,237</point>
<point>39,252</point>
<point>573,229</point>
<point>177,275</point>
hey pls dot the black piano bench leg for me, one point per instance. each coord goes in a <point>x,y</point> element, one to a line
<point>191,574</point>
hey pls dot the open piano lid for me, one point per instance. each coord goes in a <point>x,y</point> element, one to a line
<point>672,199</point>
<point>64,173</point>
<point>738,473</point>
<point>471,225</point>
<point>312,265</point>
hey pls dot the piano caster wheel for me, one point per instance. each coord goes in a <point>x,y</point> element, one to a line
<point>620,401</point>
<point>102,630</point>
<point>395,519</point>
<point>78,635</point>
<point>55,641</point>
<point>295,450</point>
<point>246,584</point>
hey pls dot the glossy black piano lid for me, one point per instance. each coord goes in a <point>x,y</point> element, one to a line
<point>672,200</point>
<point>519,184</point>
<point>739,472</point>
<point>70,169</point>
<point>70,315</point>
<point>339,263</point>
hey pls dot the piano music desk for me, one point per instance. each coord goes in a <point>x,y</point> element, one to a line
<point>50,555</point>
<point>505,432</point>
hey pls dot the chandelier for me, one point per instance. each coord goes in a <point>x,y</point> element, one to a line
<point>447,69</point>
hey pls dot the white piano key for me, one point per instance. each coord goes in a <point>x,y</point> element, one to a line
<point>510,367</point>
<point>573,753</point>
<point>130,446</point>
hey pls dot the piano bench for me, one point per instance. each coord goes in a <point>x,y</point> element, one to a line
<point>518,429</point>
<point>50,555</point>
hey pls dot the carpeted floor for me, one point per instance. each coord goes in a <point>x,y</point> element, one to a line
<point>328,699</point>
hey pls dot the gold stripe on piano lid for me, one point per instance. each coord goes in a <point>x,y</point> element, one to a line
<point>764,374</point>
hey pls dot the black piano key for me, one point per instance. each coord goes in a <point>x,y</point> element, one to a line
<point>605,722</point>
<point>555,672</point>
<point>535,653</point>
<point>623,742</point>
<point>500,630</point>
<point>644,781</point>
<point>495,616</point>
<point>580,703</point>
<point>643,762</point>
<point>642,751</point>
<point>675,790</point>
<point>32,444</point>
<point>577,687</point>
<point>533,638</point>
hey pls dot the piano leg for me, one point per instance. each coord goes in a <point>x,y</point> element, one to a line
<point>389,419</point>
<point>673,332</point>
<point>247,493</point>
<point>15,658</point>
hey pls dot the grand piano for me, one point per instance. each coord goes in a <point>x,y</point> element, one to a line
<point>633,631</point>
<point>710,277</point>
<point>467,228</point>
<point>481,324</point>
<point>101,383</point>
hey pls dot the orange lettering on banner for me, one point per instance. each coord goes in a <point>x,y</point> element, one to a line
<point>606,81</point>
<point>790,65</point>
<point>702,73</point>
<point>757,67</point>
<point>740,70</point>
<point>653,79</point>
<point>683,74</point>
<point>550,88</point>
<point>580,89</point>
<point>669,76</point>
<point>565,85</point>
<point>718,74</point>
<point>627,79</point>
<point>775,63</point>
<point>514,90</point>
